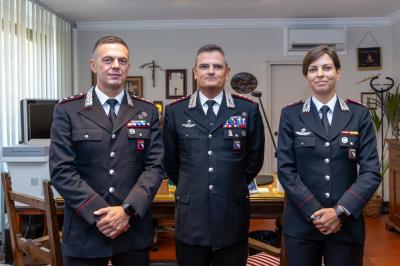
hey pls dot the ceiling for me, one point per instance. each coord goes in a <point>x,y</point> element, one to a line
<point>132,10</point>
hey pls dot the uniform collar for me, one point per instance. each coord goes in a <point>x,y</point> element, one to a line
<point>103,97</point>
<point>89,98</point>
<point>330,104</point>
<point>307,105</point>
<point>218,99</point>
<point>228,97</point>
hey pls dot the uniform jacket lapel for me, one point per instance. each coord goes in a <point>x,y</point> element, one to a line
<point>312,120</point>
<point>96,114</point>
<point>340,120</point>
<point>223,114</point>
<point>196,113</point>
<point>125,113</point>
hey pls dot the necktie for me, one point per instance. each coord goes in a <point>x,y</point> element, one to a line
<point>325,122</point>
<point>210,113</point>
<point>111,115</point>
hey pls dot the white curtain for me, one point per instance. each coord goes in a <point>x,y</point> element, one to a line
<point>35,61</point>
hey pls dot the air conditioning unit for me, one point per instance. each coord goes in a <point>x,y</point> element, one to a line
<point>300,40</point>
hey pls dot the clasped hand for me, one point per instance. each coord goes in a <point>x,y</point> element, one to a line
<point>326,221</point>
<point>113,221</point>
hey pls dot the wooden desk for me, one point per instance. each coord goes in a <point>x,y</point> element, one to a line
<point>263,205</point>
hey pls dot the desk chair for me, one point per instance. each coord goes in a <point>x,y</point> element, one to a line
<point>46,249</point>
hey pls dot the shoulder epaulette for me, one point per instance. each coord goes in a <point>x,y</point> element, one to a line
<point>142,99</point>
<point>179,99</point>
<point>295,103</point>
<point>73,97</point>
<point>352,101</point>
<point>244,97</point>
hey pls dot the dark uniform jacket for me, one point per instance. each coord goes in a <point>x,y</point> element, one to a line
<point>93,166</point>
<point>212,167</point>
<point>319,170</point>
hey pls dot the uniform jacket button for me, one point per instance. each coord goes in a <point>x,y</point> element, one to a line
<point>113,136</point>
<point>210,170</point>
<point>327,178</point>
<point>327,144</point>
<point>326,160</point>
<point>111,190</point>
<point>86,136</point>
<point>211,187</point>
<point>327,195</point>
<point>112,154</point>
<point>210,152</point>
<point>112,172</point>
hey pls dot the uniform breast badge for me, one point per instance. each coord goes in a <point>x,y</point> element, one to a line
<point>303,132</point>
<point>237,145</point>
<point>352,154</point>
<point>236,122</point>
<point>188,124</point>
<point>140,145</point>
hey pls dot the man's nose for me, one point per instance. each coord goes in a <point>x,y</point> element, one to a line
<point>115,63</point>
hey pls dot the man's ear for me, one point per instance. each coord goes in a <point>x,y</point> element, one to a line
<point>92,63</point>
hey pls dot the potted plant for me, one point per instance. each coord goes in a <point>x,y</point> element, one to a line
<point>386,119</point>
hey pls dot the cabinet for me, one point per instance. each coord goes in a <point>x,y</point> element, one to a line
<point>394,185</point>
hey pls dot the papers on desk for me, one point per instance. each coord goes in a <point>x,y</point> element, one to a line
<point>253,188</point>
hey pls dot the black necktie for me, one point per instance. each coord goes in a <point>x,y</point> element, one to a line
<point>325,122</point>
<point>111,115</point>
<point>210,113</point>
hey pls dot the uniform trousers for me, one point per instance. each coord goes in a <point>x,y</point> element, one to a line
<point>302,252</point>
<point>188,255</point>
<point>128,258</point>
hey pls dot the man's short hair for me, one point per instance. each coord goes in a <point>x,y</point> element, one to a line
<point>210,48</point>
<point>109,39</point>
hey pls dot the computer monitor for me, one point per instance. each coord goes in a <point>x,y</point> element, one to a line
<point>36,119</point>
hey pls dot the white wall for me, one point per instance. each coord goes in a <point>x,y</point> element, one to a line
<point>246,50</point>
<point>396,50</point>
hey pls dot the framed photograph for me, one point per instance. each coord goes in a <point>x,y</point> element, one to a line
<point>369,58</point>
<point>369,99</point>
<point>134,85</point>
<point>175,83</point>
<point>94,78</point>
<point>160,107</point>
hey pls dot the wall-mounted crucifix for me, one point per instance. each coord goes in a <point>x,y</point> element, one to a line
<point>152,65</point>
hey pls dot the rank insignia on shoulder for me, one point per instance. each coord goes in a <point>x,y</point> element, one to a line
<point>353,101</point>
<point>137,124</point>
<point>73,97</point>
<point>303,132</point>
<point>244,97</point>
<point>295,103</point>
<point>236,122</point>
<point>179,99</point>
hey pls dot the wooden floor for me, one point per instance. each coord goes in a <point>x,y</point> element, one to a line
<point>382,247</point>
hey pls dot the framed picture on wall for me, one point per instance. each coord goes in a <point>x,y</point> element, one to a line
<point>369,99</point>
<point>369,58</point>
<point>134,85</point>
<point>175,83</point>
